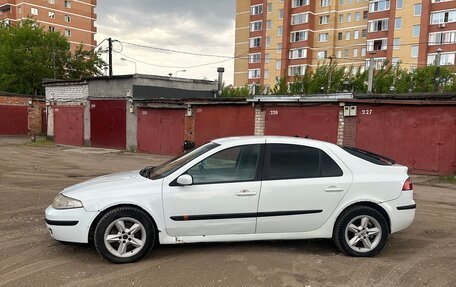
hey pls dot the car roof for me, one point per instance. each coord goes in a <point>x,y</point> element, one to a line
<point>269,139</point>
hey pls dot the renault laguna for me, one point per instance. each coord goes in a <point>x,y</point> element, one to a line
<point>241,189</point>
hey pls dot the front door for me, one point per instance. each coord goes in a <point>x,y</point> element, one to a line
<point>223,198</point>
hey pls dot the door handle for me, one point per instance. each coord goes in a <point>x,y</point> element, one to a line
<point>246,192</point>
<point>333,188</point>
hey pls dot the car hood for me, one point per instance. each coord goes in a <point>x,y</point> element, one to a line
<point>125,182</point>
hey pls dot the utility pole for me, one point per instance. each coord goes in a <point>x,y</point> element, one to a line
<point>437,70</point>
<point>370,80</point>
<point>110,56</point>
<point>330,73</point>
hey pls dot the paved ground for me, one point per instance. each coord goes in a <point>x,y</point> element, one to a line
<point>30,176</point>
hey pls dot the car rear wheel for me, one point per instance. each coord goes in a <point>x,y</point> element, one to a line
<point>360,231</point>
<point>124,235</point>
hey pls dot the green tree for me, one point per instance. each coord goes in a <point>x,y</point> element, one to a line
<point>28,54</point>
<point>235,92</point>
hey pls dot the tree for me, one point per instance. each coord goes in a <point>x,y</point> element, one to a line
<point>28,54</point>
<point>238,92</point>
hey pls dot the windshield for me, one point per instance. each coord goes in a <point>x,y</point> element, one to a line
<point>369,156</point>
<point>176,163</point>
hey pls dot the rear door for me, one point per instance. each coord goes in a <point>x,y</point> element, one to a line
<point>302,185</point>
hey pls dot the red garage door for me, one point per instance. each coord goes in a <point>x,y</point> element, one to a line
<point>69,125</point>
<point>13,120</point>
<point>161,131</point>
<point>108,123</point>
<point>423,138</point>
<point>316,122</point>
<point>223,121</point>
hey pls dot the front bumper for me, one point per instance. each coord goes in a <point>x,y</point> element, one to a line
<point>69,225</point>
<point>401,211</point>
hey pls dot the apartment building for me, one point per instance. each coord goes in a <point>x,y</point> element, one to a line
<point>278,37</point>
<point>75,19</point>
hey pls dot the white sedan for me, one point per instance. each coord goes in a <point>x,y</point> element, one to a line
<point>239,189</point>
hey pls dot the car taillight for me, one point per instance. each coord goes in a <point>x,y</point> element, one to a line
<point>408,185</point>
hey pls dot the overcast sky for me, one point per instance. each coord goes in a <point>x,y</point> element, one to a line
<point>197,26</point>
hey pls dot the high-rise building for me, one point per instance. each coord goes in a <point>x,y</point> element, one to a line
<point>286,37</point>
<point>75,19</point>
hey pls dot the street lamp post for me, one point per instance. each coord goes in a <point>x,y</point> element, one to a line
<point>125,60</point>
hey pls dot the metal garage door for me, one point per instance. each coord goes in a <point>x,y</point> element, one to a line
<point>423,138</point>
<point>161,131</point>
<point>315,122</point>
<point>13,120</point>
<point>69,125</point>
<point>222,121</point>
<point>108,123</point>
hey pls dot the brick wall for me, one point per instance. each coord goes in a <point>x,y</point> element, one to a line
<point>260,120</point>
<point>341,128</point>
<point>34,110</point>
<point>349,135</point>
<point>12,100</point>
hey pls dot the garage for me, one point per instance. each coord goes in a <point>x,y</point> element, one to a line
<point>14,120</point>
<point>315,122</point>
<point>161,131</point>
<point>213,122</point>
<point>421,137</point>
<point>69,125</point>
<point>108,123</point>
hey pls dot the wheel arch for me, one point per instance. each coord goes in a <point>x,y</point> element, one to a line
<point>372,205</point>
<point>103,212</point>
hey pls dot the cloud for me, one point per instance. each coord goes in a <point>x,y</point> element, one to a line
<point>200,26</point>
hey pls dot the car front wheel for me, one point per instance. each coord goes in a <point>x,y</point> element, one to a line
<point>124,235</point>
<point>360,231</point>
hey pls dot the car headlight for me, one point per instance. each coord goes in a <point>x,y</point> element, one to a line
<point>64,202</point>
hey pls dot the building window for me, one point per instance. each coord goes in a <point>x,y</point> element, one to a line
<point>324,3</point>
<point>51,15</point>
<point>357,16</point>
<point>267,58</point>
<point>300,53</point>
<point>443,17</point>
<point>278,65</point>
<point>299,3</point>
<point>416,31</point>
<point>298,36</point>
<point>347,35</point>
<point>279,48</point>
<point>256,9</point>
<point>256,26</point>
<point>280,31</point>
<point>398,23</point>
<point>323,37</point>
<point>365,15</point>
<point>339,36</point>
<point>341,2</point>
<point>349,17</point>
<point>442,38</point>
<point>355,53</point>
<point>268,41</point>
<point>341,18</point>
<point>269,5</point>
<point>364,33</point>
<point>67,32</point>
<point>339,54</point>
<point>301,18</point>
<point>297,70</point>
<point>324,19</point>
<point>399,4</point>
<point>417,9</point>
<point>346,52</point>
<point>378,25</point>
<point>445,59</point>
<point>376,6</point>
<point>395,61</point>
<point>322,55</point>
<point>415,50</point>
<point>363,52</point>
<point>356,35</point>
<point>377,45</point>
<point>34,11</point>
<point>255,58</point>
<point>19,9</point>
<point>51,2</point>
<point>254,73</point>
<point>255,42</point>
<point>280,13</point>
<point>67,19</point>
<point>67,4</point>
<point>266,74</point>
<point>268,24</point>
<point>51,29</point>
<point>396,43</point>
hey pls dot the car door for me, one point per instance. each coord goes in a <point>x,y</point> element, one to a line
<point>302,185</point>
<point>223,198</point>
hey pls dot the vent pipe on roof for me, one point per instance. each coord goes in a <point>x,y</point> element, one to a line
<point>220,71</point>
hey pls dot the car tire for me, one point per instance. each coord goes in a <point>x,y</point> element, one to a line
<point>124,235</point>
<point>360,231</point>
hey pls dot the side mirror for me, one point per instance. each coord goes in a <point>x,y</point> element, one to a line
<point>185,179</point>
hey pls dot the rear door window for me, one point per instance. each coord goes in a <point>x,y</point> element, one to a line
<point>285,161</point>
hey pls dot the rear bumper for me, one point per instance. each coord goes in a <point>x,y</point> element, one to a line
<point>401,211</point>
<point>70,225</point>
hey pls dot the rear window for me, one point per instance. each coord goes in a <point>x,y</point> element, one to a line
<point>369,156</point>
<point>294,161</point>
